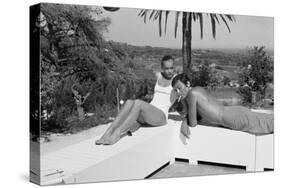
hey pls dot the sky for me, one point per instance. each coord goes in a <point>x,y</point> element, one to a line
<point>246,31</point>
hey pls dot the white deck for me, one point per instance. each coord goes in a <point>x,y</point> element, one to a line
<point>86,162</point>
<point>226,146</point>
<point>148,149</point>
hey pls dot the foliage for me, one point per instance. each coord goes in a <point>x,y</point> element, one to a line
<point>159,15</point>
<point>257,73</point>
<point>205,76</point>
<point>73,52</point>
<point>187,20</point>
<point>226,80</point>
<point>246,94</point>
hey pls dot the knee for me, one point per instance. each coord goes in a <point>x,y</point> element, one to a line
<point>129,102</point>
<point>138,103</point>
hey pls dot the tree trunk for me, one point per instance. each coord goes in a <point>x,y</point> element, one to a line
<point>81,113</point>
<point>186,42</point>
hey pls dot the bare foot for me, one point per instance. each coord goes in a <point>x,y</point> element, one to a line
<point>112,139</point>
<point>99,141</point>
<point>104,137</point>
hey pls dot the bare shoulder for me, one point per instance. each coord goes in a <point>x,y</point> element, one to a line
<point>197,91</point>
<point>201,94</point>
<point>156,74</point>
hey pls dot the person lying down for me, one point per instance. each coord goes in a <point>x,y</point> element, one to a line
<point>197,101</point>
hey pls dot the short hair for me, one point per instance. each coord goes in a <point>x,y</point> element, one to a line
<point>166,58</point>
<point>180,77</point>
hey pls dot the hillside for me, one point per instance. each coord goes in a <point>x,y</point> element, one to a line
<point>148,58</point>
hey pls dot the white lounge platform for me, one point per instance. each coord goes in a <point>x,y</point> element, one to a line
<point>219,145</point>
<point>132,157</point>
<point>137,156</point>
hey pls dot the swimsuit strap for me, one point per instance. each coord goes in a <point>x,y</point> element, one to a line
<point>160,89</point>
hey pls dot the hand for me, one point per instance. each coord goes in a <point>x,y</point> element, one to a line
<point>183,115</point>
<point>185,129</point>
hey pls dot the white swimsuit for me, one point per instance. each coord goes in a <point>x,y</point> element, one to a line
<point>161,98</point>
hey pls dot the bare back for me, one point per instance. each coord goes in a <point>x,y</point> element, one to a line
<point>200,101</point>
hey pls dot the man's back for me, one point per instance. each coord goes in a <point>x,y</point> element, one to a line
<point>200,101</point>
<point>233,117</point>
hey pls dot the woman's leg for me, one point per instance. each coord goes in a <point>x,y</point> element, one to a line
<point>142,112</point>
<point>145,113</point>
<point>120,118</point>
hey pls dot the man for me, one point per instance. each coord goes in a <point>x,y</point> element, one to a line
<point>136,113</point>
<point>197,101</point>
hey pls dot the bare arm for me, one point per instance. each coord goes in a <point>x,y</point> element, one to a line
<point>185,106</point>
<point>192,108</point>
<point>184,125</point>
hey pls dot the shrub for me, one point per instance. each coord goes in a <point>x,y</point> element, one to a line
<point>205,77</point>
<point>257,73</point>
<point>246,94</point>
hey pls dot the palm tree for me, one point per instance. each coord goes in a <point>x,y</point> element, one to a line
<point>187,19</point>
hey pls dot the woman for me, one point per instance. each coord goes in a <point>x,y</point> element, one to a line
<point>137,112</point>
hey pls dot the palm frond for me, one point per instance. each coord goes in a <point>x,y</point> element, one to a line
<point>230,17</point>
<point>160,23</point>
<point>176,23</point>
<point>157,14</point>
<point>200,16</point>
<point>194,16</point>
<point>151,14</point>
<point>166,19</point>
<point>144,17</point>
<point>215,16</point>
<point>213,22</point>
<point>140,13</point>
<point>225,22</point>
<point>144,13</point>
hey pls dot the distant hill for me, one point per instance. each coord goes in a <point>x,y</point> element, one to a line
<point>146,59</point>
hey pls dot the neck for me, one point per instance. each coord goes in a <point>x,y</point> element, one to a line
<point>187,91</point>
<point>165,76</point>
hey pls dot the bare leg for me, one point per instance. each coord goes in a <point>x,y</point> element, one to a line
<point>140,111</point>
<point>120,118</point>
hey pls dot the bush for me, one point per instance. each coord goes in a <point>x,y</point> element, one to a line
<point>246,94</point>
<point>257,73</point>
<point>205,77</point>
<point>202,76</point>
<point>102,101</point>
<point>226,80</point>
